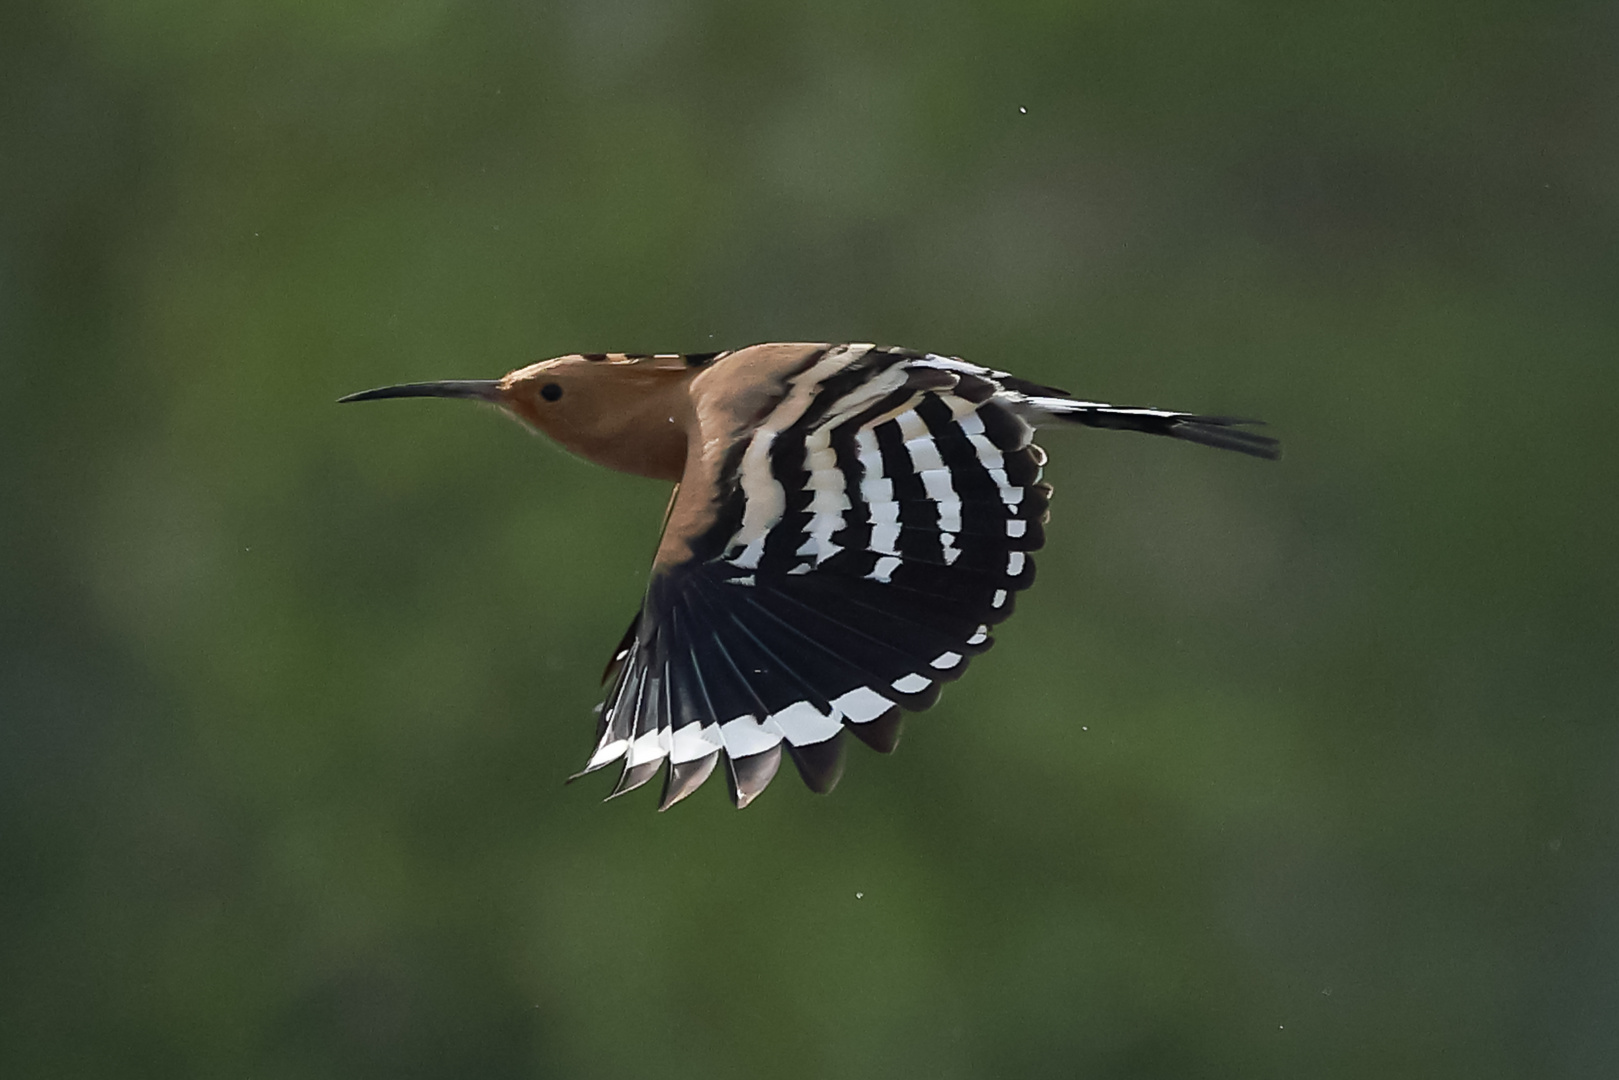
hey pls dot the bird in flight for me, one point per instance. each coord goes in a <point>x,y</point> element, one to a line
<point>849,523</point>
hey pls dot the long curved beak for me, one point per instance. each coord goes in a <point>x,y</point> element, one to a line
<point>477,389</point>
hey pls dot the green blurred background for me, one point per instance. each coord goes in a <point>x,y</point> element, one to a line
<point>1304,770</point>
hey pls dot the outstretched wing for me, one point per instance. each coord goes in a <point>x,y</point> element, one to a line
<point>864,536</point>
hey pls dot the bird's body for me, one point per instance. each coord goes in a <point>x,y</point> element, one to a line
<point>849,523</point>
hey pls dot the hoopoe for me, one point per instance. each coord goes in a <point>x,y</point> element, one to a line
<point>847,525</point>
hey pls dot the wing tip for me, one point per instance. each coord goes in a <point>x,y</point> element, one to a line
<point>633,777</point>
<point>747,776</point>
<point>820,764</point>
<point>881,734</point>
<point>684,778</point>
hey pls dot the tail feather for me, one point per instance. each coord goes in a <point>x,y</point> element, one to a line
<point>1221,432</point>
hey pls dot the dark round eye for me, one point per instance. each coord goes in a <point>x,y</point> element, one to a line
<point>550,391</point>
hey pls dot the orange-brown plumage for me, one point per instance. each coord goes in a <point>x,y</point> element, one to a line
<point>632,414</point>
<point>848,524</point>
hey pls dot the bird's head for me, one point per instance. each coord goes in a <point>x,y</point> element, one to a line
<point>627,412</point>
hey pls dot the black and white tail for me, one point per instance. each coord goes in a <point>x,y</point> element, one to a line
<point>1221,432</point>
<point>1041,405</point>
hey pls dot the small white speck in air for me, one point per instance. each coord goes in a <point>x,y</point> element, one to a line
<point>1082,727</point>
<point>859,896</point>
<point>1022,109</point>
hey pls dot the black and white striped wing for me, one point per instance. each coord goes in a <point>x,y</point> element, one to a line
<point>874,527</point>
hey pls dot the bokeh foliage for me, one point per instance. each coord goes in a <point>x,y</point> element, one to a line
<point>1304,770</point>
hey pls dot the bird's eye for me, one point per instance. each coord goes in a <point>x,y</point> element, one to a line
<point>550,391</point>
